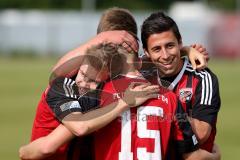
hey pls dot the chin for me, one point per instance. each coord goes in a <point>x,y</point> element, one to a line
<point>168,73</point>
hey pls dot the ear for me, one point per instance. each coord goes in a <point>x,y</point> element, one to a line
<point>146,53</point>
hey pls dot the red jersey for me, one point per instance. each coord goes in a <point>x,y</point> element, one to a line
<point>143,132</point>
<point>198,92</point>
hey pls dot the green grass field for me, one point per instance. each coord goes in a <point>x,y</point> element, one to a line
<point>23,80</point>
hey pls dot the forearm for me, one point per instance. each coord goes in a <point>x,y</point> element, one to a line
<point>99,118</point>
<point>46,146</point>
<point>91,121</point>
<point>69,63</point>
<point>34,150</point>
<point>201,129</point>
<point>136,94</point>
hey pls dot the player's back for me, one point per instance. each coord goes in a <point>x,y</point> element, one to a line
<point>139,133</point>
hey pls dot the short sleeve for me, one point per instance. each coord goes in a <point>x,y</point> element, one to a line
<point>207,100</point>
<point>62,97</point>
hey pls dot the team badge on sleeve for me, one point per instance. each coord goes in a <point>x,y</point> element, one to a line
<point>70,105</point>
<point>185,94</point>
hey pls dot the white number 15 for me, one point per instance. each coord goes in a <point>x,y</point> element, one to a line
<point>142,132</point>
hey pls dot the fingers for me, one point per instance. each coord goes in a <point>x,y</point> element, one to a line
<point>151,88</point>
<point>206,56</point>
<point>146,88</point>
<point>129,46</point>
<point>148,91</point>
<point>135,84</point>
<point>150,96</point>
<point>194,64</point>
<point>141,89</point>
<point>201,49</point>
<point>202,64</point>
<point>128,41</point>
<point>193,45</point>
<point>138,86</point>
<point>199,61</point>
<point>131,41</point>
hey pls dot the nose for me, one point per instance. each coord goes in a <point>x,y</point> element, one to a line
<point>164,54</point>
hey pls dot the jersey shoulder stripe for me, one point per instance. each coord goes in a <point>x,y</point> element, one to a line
<point>206,84</point>
<point>68,87</point>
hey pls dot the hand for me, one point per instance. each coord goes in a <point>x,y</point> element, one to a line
<point>20,152</point>
<point>216,151</point>
<point>198,59</point>
<point>128,41</point>
<point>202,50</point>
<point>139,92</point>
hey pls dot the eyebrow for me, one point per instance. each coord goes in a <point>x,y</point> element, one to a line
<point>154,48</point>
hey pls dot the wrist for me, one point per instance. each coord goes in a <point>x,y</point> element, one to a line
<point>185,50</point>
<point>122,105</point>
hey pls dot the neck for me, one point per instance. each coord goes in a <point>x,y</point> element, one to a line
<point>180,66</point>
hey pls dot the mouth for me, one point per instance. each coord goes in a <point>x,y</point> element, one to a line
<point>168,63</point>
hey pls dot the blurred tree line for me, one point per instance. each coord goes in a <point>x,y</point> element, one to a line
<point>103,4</point>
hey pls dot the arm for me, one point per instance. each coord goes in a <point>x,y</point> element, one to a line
<point>46,146</point>
<point>197,55</point>
<point>186,142</point>
<point>86,123</point>
<point>69,63</point>
<point>82,124</point>
<point>205,108</point>
<point>201,129</point>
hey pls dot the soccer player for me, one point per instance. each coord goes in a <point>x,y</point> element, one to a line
<point>198,91</point>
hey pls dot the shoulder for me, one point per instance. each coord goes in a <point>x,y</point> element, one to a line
<point>63,86</point>
<point>203,75</point>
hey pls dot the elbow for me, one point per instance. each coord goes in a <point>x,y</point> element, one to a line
<point>81,130</point>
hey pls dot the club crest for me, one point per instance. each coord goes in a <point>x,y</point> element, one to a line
<point>185,94</point>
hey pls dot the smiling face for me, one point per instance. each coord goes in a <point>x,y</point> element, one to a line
<point>88,77</point>
<point>164,51</point>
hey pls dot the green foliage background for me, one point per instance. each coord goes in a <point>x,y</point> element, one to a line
<point>23,80</point>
